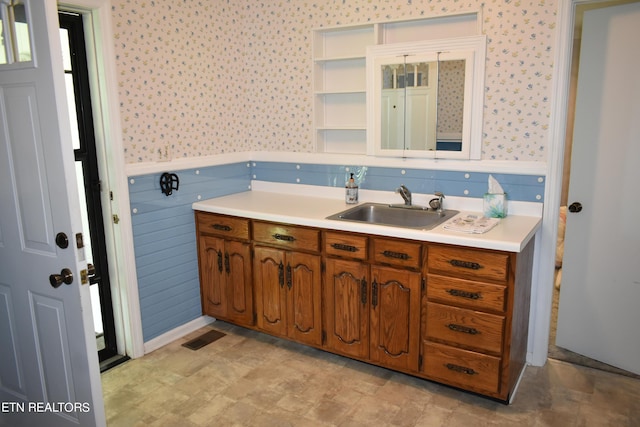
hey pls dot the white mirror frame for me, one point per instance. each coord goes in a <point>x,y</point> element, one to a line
<point>472,49</point>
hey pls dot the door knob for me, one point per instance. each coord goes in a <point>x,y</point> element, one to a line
<point>575,207</point>
<point>65,276</point>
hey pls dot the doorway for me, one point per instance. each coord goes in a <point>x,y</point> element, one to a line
<point>89,186</point>
<point>555,351</point>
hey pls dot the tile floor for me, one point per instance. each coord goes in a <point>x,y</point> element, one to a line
<point>251,379</point>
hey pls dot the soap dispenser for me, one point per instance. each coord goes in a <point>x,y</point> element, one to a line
<point>351,194</point>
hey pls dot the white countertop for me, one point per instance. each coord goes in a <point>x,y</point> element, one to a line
<point>511,234</point>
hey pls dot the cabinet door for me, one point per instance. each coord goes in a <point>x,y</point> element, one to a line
<point>395,317</point>
<point>239,282</point>
<point>346,307</point>
<point>269,281</point>
<point>212,276</point>
<point>303,283</point>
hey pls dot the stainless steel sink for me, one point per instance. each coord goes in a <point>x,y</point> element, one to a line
<point>394,215</point>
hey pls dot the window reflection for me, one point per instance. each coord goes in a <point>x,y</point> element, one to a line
<point>15,43</point>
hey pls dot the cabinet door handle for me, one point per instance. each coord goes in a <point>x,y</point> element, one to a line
<point>220,261</point>
<point>465,264</point>
<point>396,255</point>
<point>464,294</point>
<point>363,291</point>
<point>343,247</point>
<point>284,237</point>
<point>463,329</point>
<point>461,369</point>
<point>281,274</point>
<point>227,265</point>
<point>289,278</point>
<point>221,227</point>
<point>374,293</point>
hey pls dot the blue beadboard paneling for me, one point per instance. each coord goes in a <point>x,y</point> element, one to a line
<point>165,241</point>
<point>518,187</point>
<point>164,226</point>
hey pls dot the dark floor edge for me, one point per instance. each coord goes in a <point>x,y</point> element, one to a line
<point>113,362</point>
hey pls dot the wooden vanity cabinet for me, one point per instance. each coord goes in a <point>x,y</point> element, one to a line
<point>372,311</point>
<point>287,281</point>
<point>347,307</point>
<point>475,318</point>
<point>224,260</point>
<point>451,314</point>
<point>395,317</point>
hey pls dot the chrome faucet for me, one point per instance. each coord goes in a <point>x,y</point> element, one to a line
<point>438,202</point>
<point>405,193</point>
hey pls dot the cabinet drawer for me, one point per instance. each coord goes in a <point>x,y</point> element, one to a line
<point>288,236</point>
<point>346,245</point>
<point>222,225</point>
<point>462,368</point>
<point>397,252</point>
<point>471,264</point>
<point>473,329</point>
<point>476,295</point>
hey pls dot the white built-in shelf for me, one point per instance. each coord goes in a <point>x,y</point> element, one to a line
<point>339,72</point>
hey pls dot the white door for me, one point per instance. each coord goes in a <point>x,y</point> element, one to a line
<point>49,373</point>
<point>598,313</point>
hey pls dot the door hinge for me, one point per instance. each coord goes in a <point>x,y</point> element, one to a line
<point>111,195</point>
<point>424,284</point>
<point>116,219</point>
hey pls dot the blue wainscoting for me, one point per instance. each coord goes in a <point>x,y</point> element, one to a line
<point>526,188</point>
<point>165,242</point>
<point>164,226</point>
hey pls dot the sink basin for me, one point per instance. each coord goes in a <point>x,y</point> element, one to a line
<point>394,215</point>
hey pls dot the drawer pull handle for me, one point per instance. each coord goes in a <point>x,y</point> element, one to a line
<point>464,294</point>
<point>221,227</point>
<point>463,329</point>
<point>343,247</point>
<point>363,291</point>
<point>284,237</point>
<point>396,255</point>
<point>461,369</point>
<point>465,264</point>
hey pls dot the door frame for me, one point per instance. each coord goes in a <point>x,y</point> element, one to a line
<point>539,341</point>
<point>99,37</point>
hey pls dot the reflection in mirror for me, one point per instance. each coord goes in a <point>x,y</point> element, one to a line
<point>408,106</point>
<point>450,104</point>
<point>425,99</point>
<point>15,45</point>
<point>426,112</point>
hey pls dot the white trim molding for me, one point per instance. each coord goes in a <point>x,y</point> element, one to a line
<point>104,81</point>
<point>542,293</point>
<point>490,166</point>
<point>177,333</point>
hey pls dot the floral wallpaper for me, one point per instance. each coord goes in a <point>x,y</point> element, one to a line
<point>451,96</point>
<point>202,77</point>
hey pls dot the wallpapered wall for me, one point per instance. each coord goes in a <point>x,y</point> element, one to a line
<point>201,77</point>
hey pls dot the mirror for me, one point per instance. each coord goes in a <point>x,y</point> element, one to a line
<point>425,99</point>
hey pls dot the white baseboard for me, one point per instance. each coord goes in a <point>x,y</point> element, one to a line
<point>177,333</point>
